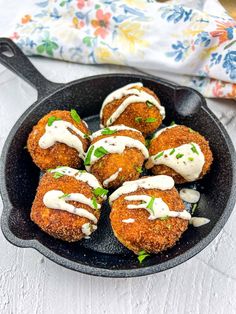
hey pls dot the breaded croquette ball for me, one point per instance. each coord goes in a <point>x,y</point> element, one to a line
<point>135,106</point>
<point>179,152</point>
<point>59,138</point>
<point>67,203</point>
<point>116,155</point>
<point>148,214</point>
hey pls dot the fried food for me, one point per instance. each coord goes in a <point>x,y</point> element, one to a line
<point>116,155</point>
<point>181,153</point>
<point>59,138</point>
<point>148,225</point>
<point>135,106</point>
<point>67,204</point>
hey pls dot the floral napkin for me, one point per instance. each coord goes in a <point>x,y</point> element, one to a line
<point>173,37</point>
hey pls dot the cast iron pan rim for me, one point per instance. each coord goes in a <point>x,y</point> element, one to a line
<point>96,270</point>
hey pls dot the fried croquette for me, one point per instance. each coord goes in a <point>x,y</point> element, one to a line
<point>116,155</point>
<point>49,139</point>
<point>67,207</point>
<point>181,153</point>
<point>138,230</point>
<point>135,106</point>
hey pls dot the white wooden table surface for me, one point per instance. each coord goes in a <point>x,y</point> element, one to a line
<point>29,283</point>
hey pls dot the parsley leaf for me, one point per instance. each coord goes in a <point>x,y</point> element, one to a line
<point>142,255</point>
<point>138,119</point>
<point>147,142</point>
<point>108,131</point>
<point>57,175</point>
<point>150,204</point>
<point>64,195</point>
<point>172,123</point>
<point>75,116</point>
<point>194,149</point>
<point>100,192</point>
<point>52,119</point>
<point>190,158</point>
<point>172,152</point>
<point>178,156</point>
<point>88,156</point>
<point>94,202</point>
<point>150,120</point>
<point>100,152</point>
<point>139,169</point>
<point>159,155</point>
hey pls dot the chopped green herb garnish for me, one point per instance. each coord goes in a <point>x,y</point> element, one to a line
<point>147,142</point>
<point>110,121</point>
<point>138,119</point>
<point>88,156</point>
<point>150,120</point>
<point>179,155</point>
<point>194,149</point>
<point>100,192</point>
<point>52,119</point>
<point>172,152</point>
<point>142,255</point>
<point>164,218</point>
<point>193,208</point>
<point>139,169</point>
<point>49,170</point>
<point>159,155</point>
<point>64,195</point>
<point>150,204</point>
<point>75,116</point>
<point>100,152</point>
<point>149,104</point>
<point>57,175</point>
<point>172,123</point>
<point>94,202</point>
<point>87,136</point>
<point>191,130</point>
<point>108,131</point>
<point>190,158</point>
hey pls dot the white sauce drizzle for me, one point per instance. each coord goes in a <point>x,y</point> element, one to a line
<point>158,133</point>
<point>128,221</point>
<point>189,170</point>
<point>119,127</point>
<point>136,95</point>
<point>160,182</point>
<point>88,229</point>
<point>59,132</point>
<point>52,199</point>
<point>189,195</point>
<point>159,209</point>
<point>112,177</point>
<point>86,177</point>
<point>117,144</point>
<point>199,221</point>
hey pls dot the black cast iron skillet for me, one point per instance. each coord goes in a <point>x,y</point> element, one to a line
<point>103,255</point>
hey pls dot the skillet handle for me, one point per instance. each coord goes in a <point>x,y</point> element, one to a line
<point>13,58</point>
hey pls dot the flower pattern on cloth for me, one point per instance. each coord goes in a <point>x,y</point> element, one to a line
<point>147,35</point>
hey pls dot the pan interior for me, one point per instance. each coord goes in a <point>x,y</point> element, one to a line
<point>103,250</point>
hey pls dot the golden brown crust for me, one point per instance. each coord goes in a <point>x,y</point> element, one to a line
<point>130,160</point>
<point>175,137</point>
<point>59,154</point>
<point>58,223</point>
<point>153,236</point>
<point>133,111</point>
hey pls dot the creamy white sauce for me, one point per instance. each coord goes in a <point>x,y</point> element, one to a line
<point>112,177</point>
<point>88,229</point>
<point>188,169</point>
<point>119,127</point>
<point>199,221</point>
<point>53,199</point>
<point>136,95</point>
<point>86,177</point>
<point>189,195</point>
<point>160,182</point>
<point>158,133</point>
<point>117,144</point>
<point>128,221</point>
<point>159,208</point>
<point>59,132</point>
